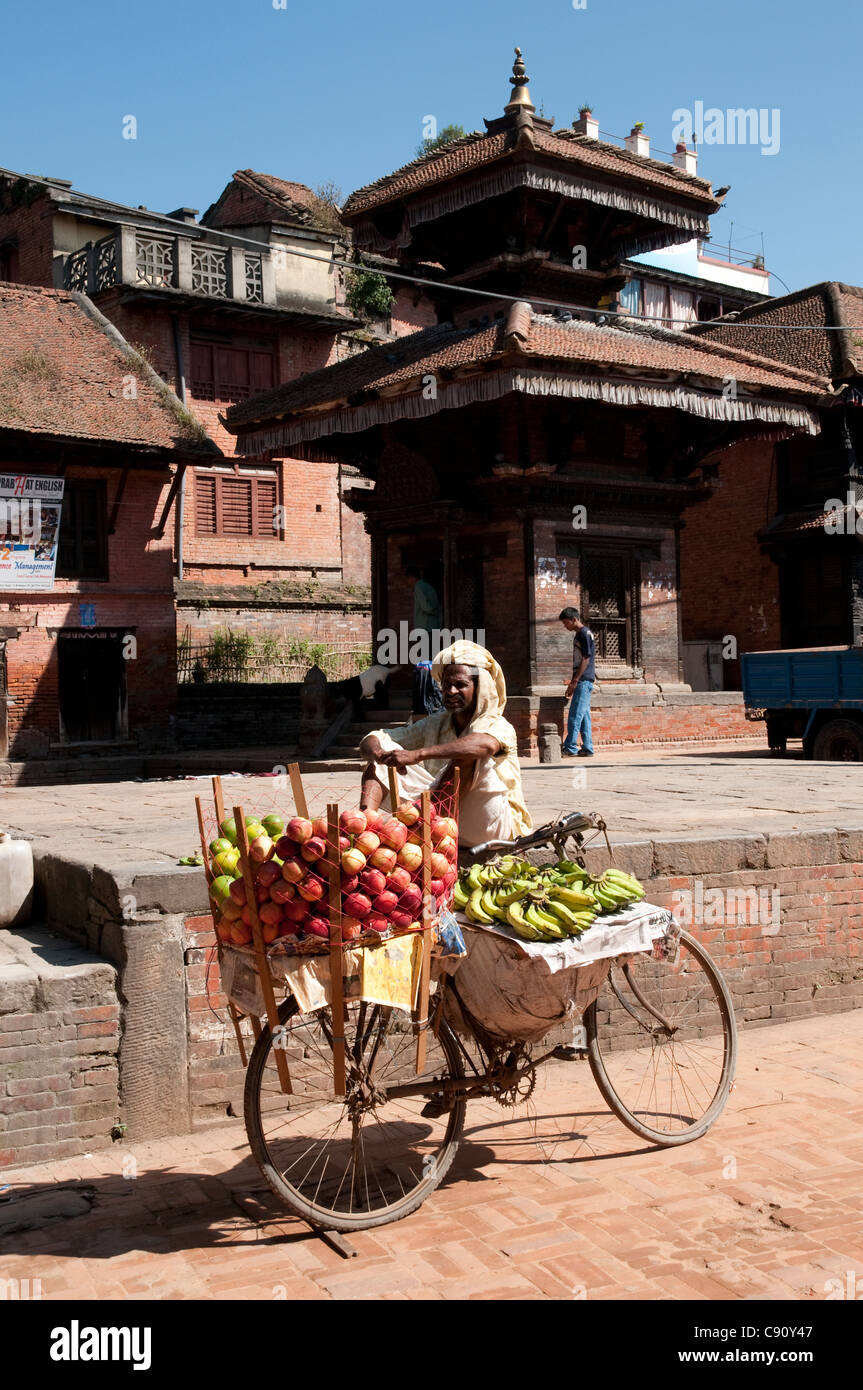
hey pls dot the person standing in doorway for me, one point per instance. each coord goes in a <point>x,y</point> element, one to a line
<point>428,617</point>
<point>580,688</point>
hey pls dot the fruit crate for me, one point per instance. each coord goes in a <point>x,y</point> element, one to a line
<point>329,885</point>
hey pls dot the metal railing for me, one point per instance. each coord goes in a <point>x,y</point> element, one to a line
<point>204,663</point>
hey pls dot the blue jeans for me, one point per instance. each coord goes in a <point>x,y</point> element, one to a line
<point>579,719</point>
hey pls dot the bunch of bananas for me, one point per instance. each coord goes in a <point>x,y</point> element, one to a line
<point>541,904</point>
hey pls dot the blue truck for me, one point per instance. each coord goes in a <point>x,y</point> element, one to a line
<point>813,693</point>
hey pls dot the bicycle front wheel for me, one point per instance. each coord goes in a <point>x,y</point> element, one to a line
<point>363,1159</point>
<point>662,1043</point>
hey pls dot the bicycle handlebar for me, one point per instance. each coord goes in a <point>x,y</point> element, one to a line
<point>560,829</point>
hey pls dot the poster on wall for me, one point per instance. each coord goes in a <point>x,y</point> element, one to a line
<point>30,509</point>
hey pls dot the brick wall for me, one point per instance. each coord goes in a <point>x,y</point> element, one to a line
<point>728,587</point>
<point>137,595</point>
<point>812,965</point>
<point>331,625</point>
<point>30,225</point>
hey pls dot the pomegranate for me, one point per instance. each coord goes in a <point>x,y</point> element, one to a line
<point>373,881</point>
<point>400,918</point>
<point>393,834</point>
<point>439,865</point>
<point>357,905</point>
<point>443,826</point>
<point>408,813</point>
<point>398,880</point>
<point>411,857</point>
<point>411,900</point>
<point>320,826</point>
<point>311,888</point>
<point>449,847</point>
<point>313,849</point>
<point>316,926</point>
<point>349,883</point>
<point>384,903</point>
<point>299,829</point>
<point>367,842</point>
<point>383,858</point>
<point>353,860</point>
<point>352,822</point>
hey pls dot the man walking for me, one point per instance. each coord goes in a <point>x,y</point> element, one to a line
<point>580,688</point>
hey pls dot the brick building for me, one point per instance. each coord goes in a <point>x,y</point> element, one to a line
<point>790,570</point>
<point>93,660</point>
<point>242,300</point>
<point>528,457</point>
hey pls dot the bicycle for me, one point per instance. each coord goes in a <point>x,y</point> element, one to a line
<point>660,1041</point>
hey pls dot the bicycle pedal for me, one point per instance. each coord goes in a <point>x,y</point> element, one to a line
<point>570,1054</point>
<point>434,1108</point>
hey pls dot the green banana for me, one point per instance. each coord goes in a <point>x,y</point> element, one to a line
<point>489,905</point>
<point>564,915</point>
<point>516,919</point>
<point>546,925</point>
<point>460,895</point>
<point>475,911</point>
<point>473,878</point>
<point>574,897</point>
<point>515,892</point>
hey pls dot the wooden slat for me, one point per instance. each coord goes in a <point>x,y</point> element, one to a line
<point>394,789</point>
<point>205,850</point>
<point>299,791</point>
<point>422,1005</point>
<point>219,801</point>
<point>337,989</point>
<point>260,952</point>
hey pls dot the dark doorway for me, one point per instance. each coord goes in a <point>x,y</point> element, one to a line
<point>815,596</point>
<point>92,678</point>
<point>4,704</point>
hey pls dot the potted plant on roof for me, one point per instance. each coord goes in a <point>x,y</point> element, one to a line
<point>636,141</point>
<point>586,123</point>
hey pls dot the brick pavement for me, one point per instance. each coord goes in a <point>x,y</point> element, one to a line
<point>538,1205</point>
<point>641,792</point>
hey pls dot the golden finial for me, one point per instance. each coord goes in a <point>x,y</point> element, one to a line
<point>519,80</point>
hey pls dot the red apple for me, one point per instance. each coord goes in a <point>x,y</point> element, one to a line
<point>261,848</point>
<point>282,892</point>
<point>443,826</point>
<point>450,876</point>
<point>414,838</point>
<point>398,880</point>
<point>438,887</point>
<point>367,842</point>
<point>296,910</point>
<point>237,892</point>
<point>373,881</point>
<point>312,888</point>
<point>351,928</point>
<point>383,858</point>
<point>294,871</point>
<point>231,911</point>
<point>411,857</point>
<point>374,818</point>
<point>286,848</point>
<point>384,903</point>
<point>353,860</point>
<point>262,894</point>
<point>320,826</point>
<point>376,923</point>
<point>287,928</point>
<point>316,926</point>
<point>439,865</point>
<point>357,905</point>
<point>401,919</point>
<point>271,912</point>
<point>268,873</point>
<point>241,935</point>
<point>449,847</point>
<point>408,813</point>
<point>224,929</point>
<point>299,829</point>
<point>352,822</point>
<point>246,916</point>
<point>313,849</point>
<point>393,834</point>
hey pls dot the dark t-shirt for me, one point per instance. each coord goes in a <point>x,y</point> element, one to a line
<point>583,645</point>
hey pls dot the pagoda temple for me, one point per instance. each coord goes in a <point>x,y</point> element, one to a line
<point>535,448</point>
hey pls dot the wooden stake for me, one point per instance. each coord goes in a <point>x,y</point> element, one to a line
<point>337,985</point>
<point>421,1010</point>
<point>219,802</point>
<point>299,791</point>
<point>394,789</point>
<point>205,850</point>
<point>260,953</point>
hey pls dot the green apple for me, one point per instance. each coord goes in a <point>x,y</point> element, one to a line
<point>229,830</point>
<point>226,862</point>
<point>274,825</point>
<point>218,846</point>
<point>221,887</point>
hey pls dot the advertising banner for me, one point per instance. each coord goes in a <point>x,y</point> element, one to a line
<point>30,510</point>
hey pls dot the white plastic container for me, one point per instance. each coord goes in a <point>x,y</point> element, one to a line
<point>16,881</point>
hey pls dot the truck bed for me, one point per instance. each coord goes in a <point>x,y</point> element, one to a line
<point>805,678</point>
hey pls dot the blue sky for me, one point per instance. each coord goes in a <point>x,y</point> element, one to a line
<point>339,92</point>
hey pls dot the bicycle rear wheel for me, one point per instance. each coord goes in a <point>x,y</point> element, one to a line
<point>662,1043</point>
<point>359,1160</point>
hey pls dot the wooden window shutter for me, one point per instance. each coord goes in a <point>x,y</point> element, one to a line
<point>205,505</point>
<point>265,508</point>
<point>236,499</point>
